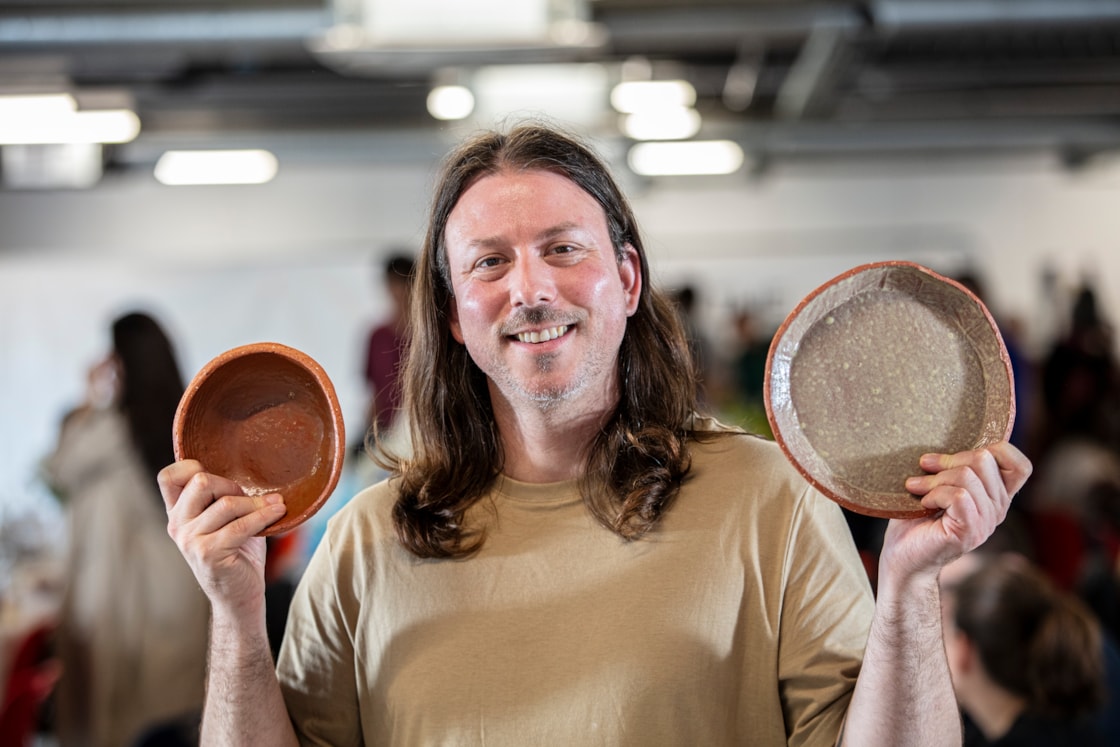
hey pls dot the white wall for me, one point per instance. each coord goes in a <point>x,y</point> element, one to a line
<point>294,261</point>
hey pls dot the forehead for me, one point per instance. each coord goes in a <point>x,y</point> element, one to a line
<point>514,197</point>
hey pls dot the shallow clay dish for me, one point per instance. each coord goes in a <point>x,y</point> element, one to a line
<point>266,416</point>
<point>878,366</point>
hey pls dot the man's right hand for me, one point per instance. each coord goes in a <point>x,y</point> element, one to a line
<point>215,526</point>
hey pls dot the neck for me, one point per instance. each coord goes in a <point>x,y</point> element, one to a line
<point>995,711</point>
<point>546,444</point>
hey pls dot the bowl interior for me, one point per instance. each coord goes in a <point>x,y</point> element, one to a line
<point>268,419</point>
<point>878,367</point>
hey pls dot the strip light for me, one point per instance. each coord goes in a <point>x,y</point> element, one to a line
<point>211,167</point>
<point>36,106</point>
<point>652,95</point>
<point>54,119</point>
<point>699,157</point>
<point>675,123</point>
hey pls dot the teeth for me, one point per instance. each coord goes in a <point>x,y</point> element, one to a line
<point>543,335</point>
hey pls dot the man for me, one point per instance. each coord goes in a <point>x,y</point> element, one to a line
<point>571,555</point>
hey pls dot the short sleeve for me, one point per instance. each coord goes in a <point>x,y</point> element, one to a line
<point>316,666</point>
<point>826,615</point>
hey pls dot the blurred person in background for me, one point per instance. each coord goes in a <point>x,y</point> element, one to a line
<point>1074,504</point>
<point>1027,659</point>
<point>743,402</point>
<point>686,299</point>
<point>752,345</point>
<point>1074,511</point>
<point>1081,380</point>
<point>133,625</point>
<point>384,349</point>
<point>382,429</point>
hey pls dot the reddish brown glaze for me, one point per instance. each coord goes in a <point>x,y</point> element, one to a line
<point>266,416</point>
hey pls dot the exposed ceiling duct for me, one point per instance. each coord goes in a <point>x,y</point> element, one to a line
<point>785,78</point>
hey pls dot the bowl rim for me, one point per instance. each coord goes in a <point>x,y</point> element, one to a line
<point>770,392</point>
<point>304,361</point>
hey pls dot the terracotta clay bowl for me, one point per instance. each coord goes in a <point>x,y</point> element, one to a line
<point>266,416</point>
<point>876,367</point>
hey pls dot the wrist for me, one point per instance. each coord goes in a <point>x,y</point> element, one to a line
<point>895,586</point>
<point>238,625</point>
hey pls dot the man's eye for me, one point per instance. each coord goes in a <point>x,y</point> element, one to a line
<point>563,249</point>
<point>488,262</point>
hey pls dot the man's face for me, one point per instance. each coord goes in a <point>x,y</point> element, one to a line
<point>541,302</point>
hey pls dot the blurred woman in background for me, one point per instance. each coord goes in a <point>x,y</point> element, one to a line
<point>1026,658</point>
<point>133,627</point>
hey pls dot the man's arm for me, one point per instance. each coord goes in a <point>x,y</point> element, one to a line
<point>904,695</point>
<point>244,705</point>
<point>215,528</point>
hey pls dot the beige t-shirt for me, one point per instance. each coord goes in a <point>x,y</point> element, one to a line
<point>741,620</point>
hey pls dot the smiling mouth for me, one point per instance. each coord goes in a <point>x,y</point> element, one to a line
<point>542,335</point>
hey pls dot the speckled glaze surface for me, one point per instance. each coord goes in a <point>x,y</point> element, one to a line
<point>267,417</point>
<point>878,366</point>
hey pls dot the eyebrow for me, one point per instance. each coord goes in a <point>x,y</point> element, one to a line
<point>549,233</point>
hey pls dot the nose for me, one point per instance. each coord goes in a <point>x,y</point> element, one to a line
<point>531,283</point>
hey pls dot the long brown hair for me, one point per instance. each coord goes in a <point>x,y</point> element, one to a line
<point>151,386</point>
<point>638,460</point>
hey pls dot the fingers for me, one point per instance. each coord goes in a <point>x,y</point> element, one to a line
<point>202,490</point>
<point>202,503</point>
<point>974,474</point>
<point>1001,468</point>
<point>973,489</point>
<point>1014,466</point>
<point>173,478</point>
<point>239,515</point>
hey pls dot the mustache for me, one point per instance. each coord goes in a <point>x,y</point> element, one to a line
<point>535,316</point>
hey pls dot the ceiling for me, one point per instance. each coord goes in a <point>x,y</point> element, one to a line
<point>786,78</point>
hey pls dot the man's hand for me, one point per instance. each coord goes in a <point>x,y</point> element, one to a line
<point>215,525</point>
<point>972,491</point>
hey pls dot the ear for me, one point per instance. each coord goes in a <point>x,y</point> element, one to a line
<point>963,653</point>
<point>630,272</point>
<point>453,321</point>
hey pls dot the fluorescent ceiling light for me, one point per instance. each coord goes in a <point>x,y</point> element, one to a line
<point>645,95</point>
<point>36,106</point>
<point>490,23</point>
<point>450,102</point>
<point>197,167</point>
<point>575,94</point>
<point>51,125</point>
<point>438,21</point>
<point>677,123</point>
<point>693,157</point>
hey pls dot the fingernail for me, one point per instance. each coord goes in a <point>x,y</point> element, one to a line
<point>913,482</point>
<point>277,508</point>
<point>273,498</point>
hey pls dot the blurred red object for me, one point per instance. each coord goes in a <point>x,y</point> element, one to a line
<point>30,682</point>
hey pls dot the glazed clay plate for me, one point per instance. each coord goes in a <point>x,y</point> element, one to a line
<point>878,366</point>
<point>266,416</point>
